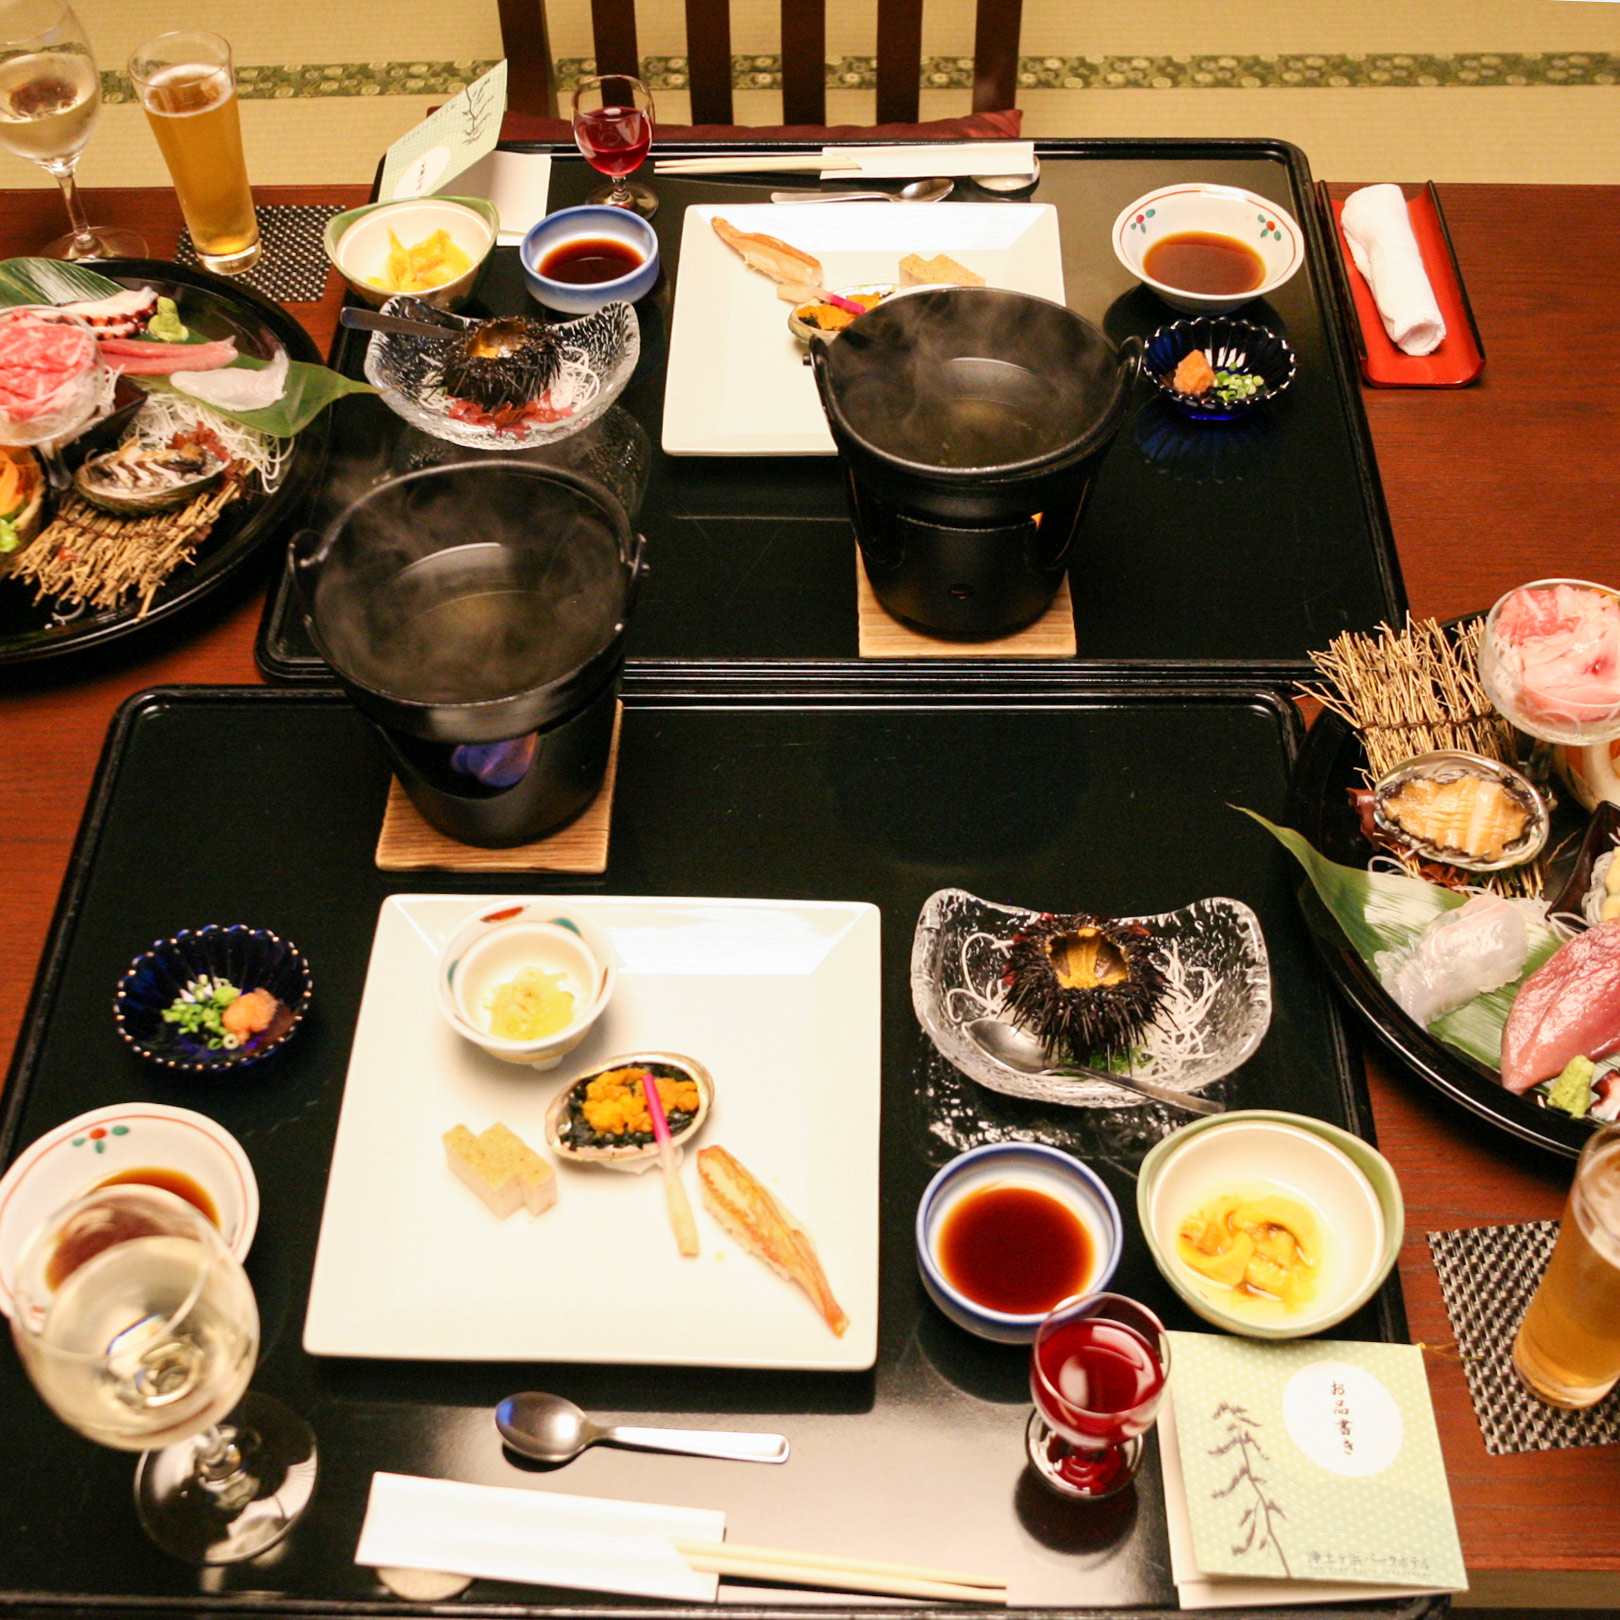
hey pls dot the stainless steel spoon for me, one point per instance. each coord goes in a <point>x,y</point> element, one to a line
<point>551,1429</point>
<point>921,191</point>
<point>367,320</point>
<point>1008,1044</point>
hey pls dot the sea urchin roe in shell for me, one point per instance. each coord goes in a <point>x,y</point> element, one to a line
<point>529,1006</point>
<point>615,1105</point>
<point>1265,1247</point>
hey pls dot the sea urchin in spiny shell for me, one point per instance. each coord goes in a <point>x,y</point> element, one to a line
<point>1083,985</point>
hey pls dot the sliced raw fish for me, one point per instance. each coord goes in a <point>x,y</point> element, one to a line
<point>1569,1007</point>
<point>137,357</point>
<point>1478,947</point>
<point>241,389</point>
<point>1565,640</point>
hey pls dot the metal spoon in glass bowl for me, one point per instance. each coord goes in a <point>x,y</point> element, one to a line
<point>919,191</point>
<point>1008,1044</point>
<point>554,1430</point>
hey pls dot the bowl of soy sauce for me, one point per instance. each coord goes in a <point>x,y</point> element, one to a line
<point>579,259</point>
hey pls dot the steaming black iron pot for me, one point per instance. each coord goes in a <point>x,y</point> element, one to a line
<point>477,613</point>
<point>971,422</point>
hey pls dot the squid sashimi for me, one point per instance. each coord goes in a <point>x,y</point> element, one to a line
<point>1562,646</point>
<point>1478,947</point>
<point>1569,1007</point>
<point>140,358</point>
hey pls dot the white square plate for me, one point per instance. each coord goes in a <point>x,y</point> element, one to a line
<point>737,384</point>
<point>780,999</point>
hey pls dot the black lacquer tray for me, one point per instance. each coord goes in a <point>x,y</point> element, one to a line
<point>1331,763</point>
<point>780,781</point>
<point>1212,548</point>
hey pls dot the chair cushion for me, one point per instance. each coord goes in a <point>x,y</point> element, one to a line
<point>987,126</point>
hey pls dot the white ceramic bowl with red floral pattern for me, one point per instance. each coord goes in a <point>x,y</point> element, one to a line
<point>113,1144</point>
<point>1196,207</point>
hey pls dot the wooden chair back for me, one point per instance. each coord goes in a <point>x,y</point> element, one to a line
<point>530,87</point>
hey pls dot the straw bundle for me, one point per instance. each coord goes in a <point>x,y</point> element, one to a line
<point>90,557</point>
<point>1412,691</point>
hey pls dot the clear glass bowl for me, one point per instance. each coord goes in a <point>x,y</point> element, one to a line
<point>406,370</point>
<point>1216,1014</point>
<point>1564,703</point>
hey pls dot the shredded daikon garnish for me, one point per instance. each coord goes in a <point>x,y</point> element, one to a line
<point>165,414</point>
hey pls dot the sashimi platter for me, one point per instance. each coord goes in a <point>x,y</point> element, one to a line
<point>1456,815</point>
<point>155,425</point>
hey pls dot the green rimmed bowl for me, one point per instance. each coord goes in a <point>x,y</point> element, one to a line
<point>1344,1182</point>
<point>357,243</point>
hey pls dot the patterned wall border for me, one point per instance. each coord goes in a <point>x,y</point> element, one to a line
<point>1362,72</point>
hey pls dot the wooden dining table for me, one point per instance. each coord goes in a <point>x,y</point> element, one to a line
<point>1512,479</point>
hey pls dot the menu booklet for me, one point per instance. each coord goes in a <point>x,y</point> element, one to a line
<point>1303,1472</point>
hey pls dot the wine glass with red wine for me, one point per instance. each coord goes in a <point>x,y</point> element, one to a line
<point>613,127</point>
<point>1097,1375</point>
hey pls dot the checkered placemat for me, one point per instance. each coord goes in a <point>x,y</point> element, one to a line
<point>1487,1275</point>
<point>292,264</point>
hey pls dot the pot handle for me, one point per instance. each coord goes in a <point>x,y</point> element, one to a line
<point>307,550</point>
<point>1131,352</point>
<point>638,574</point>
<point>818,368</point>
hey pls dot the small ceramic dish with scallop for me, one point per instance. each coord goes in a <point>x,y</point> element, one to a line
<point>176,969</point>
<point>1463,809</point>
<point>572,1141</point>
<point>490,951</point>
<point>1345,1187</point>
<point>173,1148</point>
<point>360,240</point>
<point>801,318</point>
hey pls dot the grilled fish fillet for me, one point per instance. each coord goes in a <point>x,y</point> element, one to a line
<point>768,255</point>
<point>762,1224</point>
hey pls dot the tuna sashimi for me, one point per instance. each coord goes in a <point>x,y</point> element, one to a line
<point>1562,645</point>
<point>1569,1007</point>
<point>138,357</point>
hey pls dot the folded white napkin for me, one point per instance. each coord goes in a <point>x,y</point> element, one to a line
<point>1379,231</point>
<point>540,1537</point>
<point>518,183</point>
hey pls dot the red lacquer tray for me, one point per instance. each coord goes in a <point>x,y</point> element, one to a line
<point>1461,357</point>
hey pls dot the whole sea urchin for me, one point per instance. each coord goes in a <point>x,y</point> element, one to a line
<point>1084,985</point>
<point>511,361</point>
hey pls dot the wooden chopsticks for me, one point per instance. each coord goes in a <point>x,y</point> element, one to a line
<point>840,1574</point>
<point>783,163</point>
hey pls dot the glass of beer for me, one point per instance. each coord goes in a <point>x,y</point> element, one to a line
<point>50,93</point>
<point>1568,1348</point>
<point>186,85</point>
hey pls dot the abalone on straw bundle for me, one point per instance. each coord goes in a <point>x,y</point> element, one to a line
<point>136,479</point>
<point>1417,691</point>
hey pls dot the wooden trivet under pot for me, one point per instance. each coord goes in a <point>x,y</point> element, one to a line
<point>408,844</point>
<point>884,636</point>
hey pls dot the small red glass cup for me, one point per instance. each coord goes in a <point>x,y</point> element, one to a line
<point>1097,1376</point>
<point>613,128</point>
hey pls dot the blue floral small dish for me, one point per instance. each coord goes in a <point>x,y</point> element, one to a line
<point>1230,346</point>
<point>173,1005</point>
<point>589,226</point>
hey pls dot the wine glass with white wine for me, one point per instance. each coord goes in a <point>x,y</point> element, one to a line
<point>50,93</point>
<point>139,1328</point>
